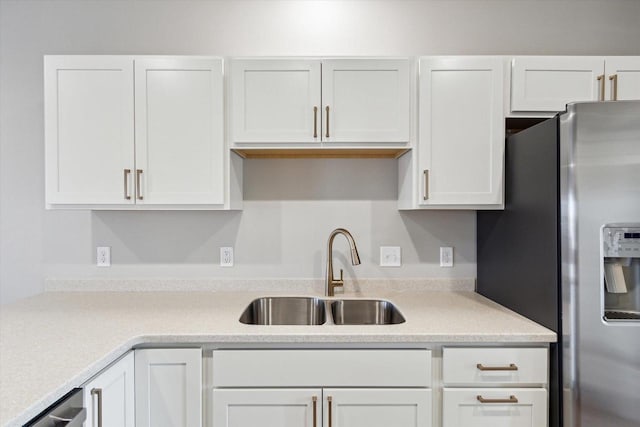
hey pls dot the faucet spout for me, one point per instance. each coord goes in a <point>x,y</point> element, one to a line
<point>330,282</point>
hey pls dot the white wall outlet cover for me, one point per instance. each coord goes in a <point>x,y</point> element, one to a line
<point>103,256</point>
<point>226,256</point>
<point>446,256</point>
<point>390,256</point>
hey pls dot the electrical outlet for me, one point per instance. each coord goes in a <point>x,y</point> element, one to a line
<point>446,256</point>
<point>226,256</point>
<point>103,256</point>
<point>390,256</point>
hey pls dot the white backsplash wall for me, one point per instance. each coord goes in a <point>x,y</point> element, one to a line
<point>291,206</point>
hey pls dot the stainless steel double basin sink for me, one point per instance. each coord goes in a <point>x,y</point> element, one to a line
<point>314,311</point>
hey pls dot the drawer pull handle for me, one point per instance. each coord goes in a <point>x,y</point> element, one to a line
<point>329,409</point>
<point>314,399</point>
<point>511,367</point>
<point>511,399</point>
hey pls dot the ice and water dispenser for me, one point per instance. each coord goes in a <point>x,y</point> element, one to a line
<point>621,266</point>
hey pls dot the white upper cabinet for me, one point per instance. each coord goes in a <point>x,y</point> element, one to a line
<point>109,397</point>
<point>125,132</point>
<point>548,83</point>
<point>179,131</point>
<point>88,129</point>
<point>623,78</point>
<point>365,100</point>
<point>461,132</point>
<point>275,101</point>
<point>291,101</point>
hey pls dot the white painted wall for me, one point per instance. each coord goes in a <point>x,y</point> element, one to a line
<point>291,206</point>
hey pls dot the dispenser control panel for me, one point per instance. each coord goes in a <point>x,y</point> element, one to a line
<point>621,242</point>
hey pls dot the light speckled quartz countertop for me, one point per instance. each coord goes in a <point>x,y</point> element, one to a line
<point>55,341</point>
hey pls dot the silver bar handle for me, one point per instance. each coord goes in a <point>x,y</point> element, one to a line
<point>601,84</point>
<point>138,186</point>
<point>98,392</point>
<point>614,90</point>
<point>425,193</point>
<point>127,172</point>
<point>315,122</point>
<point>314,399</point>
<point>326,109</point>
<point>511,399</point>
<point>509,367</point>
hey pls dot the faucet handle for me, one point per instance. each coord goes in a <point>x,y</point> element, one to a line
<point>341,275</point>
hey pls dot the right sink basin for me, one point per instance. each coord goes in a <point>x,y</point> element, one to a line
<point>365,312</point>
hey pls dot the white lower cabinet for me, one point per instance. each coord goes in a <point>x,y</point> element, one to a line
<point>109,397</point>
<point>168,387</point>
<point>328,387</point>
<point>495,387</point>
<point>267,407</point>
<point>494,407</point>
<point>329,407</point>
<point>377,407</point>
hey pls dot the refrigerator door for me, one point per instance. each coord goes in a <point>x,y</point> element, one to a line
<point>599,185</point>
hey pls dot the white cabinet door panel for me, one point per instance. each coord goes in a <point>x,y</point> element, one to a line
<point>179,131</point>
<point>626,70</point>
<point>273,101</point>
<point>267,407</point>
<point>377,407</point>
<point>461,137</point>
<point>548,83</point>
<point>168,387</point>
<point>462,407</point>
<point>114,390</point>
<point>88,128</point>
<point>368,100</point>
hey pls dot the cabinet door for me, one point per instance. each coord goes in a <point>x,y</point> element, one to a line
<point>499,407</point>
<point>377,407</point>
<point>275,101</point>
<point>88,129</point>
<point>461,134</point>
<point>168,387</point>
<point>549,83</point>
<point>623,77</point>
<point>179,131</point>
<point>111,394</point>
<point>365,100</point>
<point>267,407</point>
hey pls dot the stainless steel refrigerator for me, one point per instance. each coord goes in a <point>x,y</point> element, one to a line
<point>565,252</point>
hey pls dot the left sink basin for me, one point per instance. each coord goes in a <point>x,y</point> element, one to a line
<point>285,311</point>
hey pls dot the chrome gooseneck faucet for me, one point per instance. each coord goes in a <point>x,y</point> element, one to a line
<point>330,282</point>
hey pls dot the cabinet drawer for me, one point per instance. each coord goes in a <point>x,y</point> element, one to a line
<point>494,366</point>
<point>328,368</point>
<point>482,407</point>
